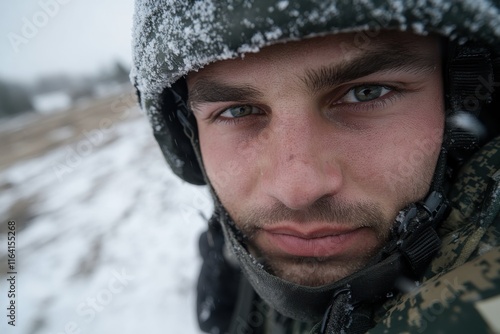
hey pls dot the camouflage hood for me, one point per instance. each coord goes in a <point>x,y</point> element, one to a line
<point>172,38</point>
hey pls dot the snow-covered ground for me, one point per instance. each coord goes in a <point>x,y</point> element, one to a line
<point>110,246</point>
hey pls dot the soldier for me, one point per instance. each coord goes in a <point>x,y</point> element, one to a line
<point>350,150</point>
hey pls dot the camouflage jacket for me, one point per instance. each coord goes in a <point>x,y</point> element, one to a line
<point>460,292</point>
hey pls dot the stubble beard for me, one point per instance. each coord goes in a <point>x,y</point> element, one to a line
<point>316,271</point>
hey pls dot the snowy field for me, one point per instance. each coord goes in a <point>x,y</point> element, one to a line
<point>108,240</point>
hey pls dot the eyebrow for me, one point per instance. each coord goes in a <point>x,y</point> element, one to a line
<point>399,58</point>
<point>207,90</point>
<point>385,57</point>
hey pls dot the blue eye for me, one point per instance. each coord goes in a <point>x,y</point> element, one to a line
<point>240,111</point>
<point>365,93</point>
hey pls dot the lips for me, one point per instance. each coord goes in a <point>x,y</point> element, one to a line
<point>320,241</point>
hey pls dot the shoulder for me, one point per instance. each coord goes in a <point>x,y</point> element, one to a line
<point>465,299</point>
<point>460,292</point>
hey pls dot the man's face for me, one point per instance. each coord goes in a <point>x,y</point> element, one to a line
<point>313,147</point>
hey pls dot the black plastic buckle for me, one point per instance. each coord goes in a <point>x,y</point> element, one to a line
<point>408,217</point>
<point>436,206</point>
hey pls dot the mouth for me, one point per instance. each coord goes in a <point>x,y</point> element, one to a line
<point>320,241</point>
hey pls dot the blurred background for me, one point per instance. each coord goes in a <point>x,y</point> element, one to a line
<point>105,235</point>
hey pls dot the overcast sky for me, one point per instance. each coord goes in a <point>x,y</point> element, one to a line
<point>41,37</point>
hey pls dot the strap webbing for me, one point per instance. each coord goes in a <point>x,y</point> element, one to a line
<point>470,70</point>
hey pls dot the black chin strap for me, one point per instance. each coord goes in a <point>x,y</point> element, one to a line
<point>403,260</point>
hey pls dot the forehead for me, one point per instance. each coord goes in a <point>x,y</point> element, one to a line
<point>319,51</point>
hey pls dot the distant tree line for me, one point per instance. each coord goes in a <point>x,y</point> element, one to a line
<point>14,99</point>
<point>17,98</point>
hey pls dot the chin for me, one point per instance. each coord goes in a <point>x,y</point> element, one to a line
<point>313,272</point>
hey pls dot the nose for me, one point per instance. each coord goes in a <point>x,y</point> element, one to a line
<point>301,162</point>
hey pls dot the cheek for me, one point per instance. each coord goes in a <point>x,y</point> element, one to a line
<point>397,166</point>
<point>227,167</point>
